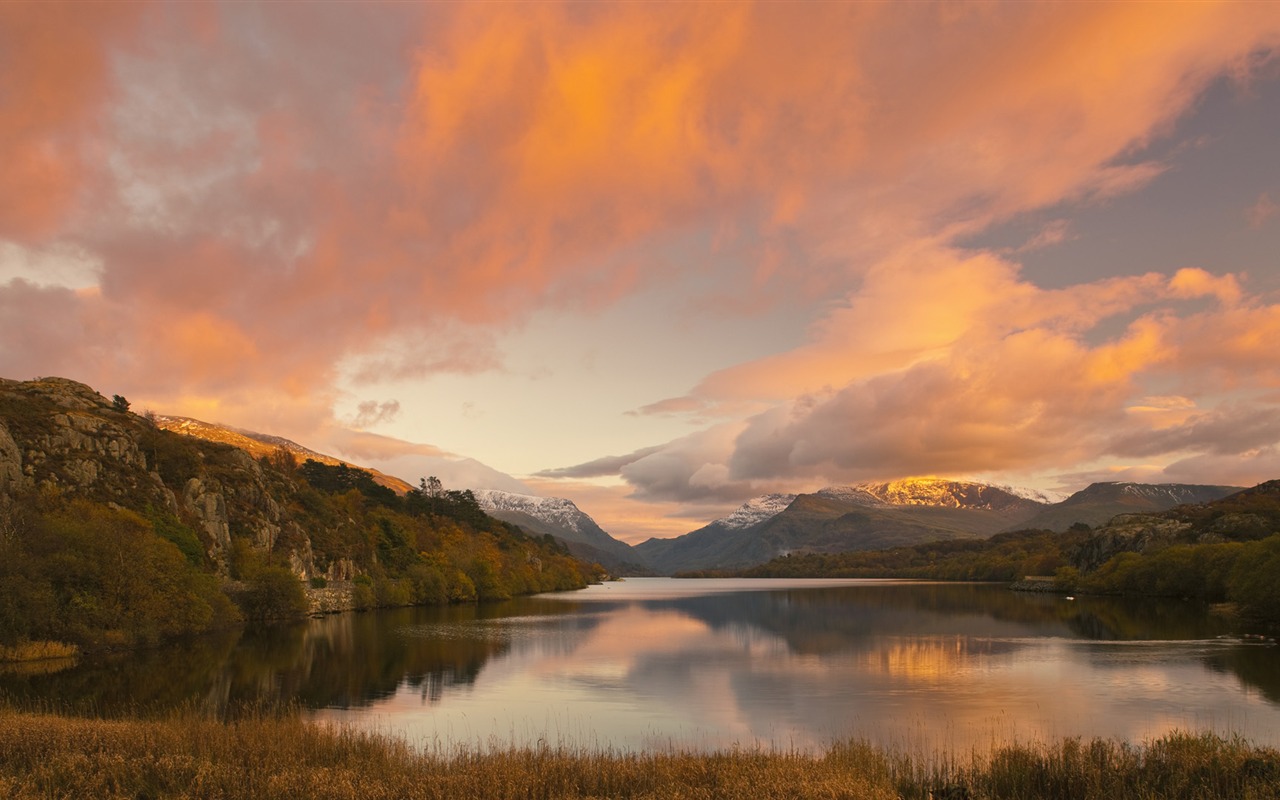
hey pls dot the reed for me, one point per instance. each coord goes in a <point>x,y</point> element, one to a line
<point>281,755</point>
<point>37,651</point>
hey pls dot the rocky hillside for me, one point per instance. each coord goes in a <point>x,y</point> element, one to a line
<point>562,519</point>
<point>847,518</point>
<point>60,436</point>
<point>116,531</point>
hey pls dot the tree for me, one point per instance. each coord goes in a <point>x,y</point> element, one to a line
<point>119,403</point>
<point>283,460</point>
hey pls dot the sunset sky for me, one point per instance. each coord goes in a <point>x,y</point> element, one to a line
<point>659,258</point>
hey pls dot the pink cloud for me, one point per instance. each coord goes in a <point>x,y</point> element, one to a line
<point>1262,211</point>
<point>53,76</point>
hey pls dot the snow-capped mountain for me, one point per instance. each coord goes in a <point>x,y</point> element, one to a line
<point>865,516</point>
<point>552,510</point>
<point>565,521</point>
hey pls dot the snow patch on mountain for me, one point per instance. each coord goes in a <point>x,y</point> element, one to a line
<point>857,495</point>
<point>1046,496</point>
<point>1178,493</point>
<point>755,511</point>
<point>936,492</point>
<point>552,510</point>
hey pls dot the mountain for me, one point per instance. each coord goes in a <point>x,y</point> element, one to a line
<point>262,444</point>
<point>866,516</point>
<point>1097,503</point>
<point>565,521</point>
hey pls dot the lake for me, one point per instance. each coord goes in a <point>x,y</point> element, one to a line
<point>652,663</point>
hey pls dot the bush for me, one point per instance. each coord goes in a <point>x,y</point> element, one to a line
<point>390,593</point>
<point>93,575</point>
<point>362,594</point>
<point>274,593</point>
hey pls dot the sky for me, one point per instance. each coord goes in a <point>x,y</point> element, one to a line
<point>660,258</point>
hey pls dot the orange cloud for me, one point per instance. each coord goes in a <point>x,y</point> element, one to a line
<point>947,362</point>
<point>54,78</point>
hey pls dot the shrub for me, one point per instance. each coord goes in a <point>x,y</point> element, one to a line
<point>274,593</point>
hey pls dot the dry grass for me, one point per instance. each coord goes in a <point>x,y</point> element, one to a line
<point>49,755</point>
<point>37,651</point>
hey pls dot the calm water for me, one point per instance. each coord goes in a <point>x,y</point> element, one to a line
<point>651,663</point>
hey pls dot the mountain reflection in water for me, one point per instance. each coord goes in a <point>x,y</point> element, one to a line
<point>656,663</point>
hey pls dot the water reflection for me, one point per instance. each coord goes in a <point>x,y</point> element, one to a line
<point>653,662</point>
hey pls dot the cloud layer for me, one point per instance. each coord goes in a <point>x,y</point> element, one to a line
<point>284,206</point>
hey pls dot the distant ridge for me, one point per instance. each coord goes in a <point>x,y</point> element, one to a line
<point>1097,503</point>
<point>262,444</point>
<point>841,518</point>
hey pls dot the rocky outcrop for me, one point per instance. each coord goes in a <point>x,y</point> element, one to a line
<point>63,435</point>
<point>341,569</point>
<point>1131,533</point>
<point>64,393</point>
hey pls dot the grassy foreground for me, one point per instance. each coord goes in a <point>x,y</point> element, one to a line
<point>185,755</point>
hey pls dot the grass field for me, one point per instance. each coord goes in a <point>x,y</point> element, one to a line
<point>185,754</point>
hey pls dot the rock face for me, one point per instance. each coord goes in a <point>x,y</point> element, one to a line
<point>60,435</point>
<point>12,478</point>
<point>209,507</point>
